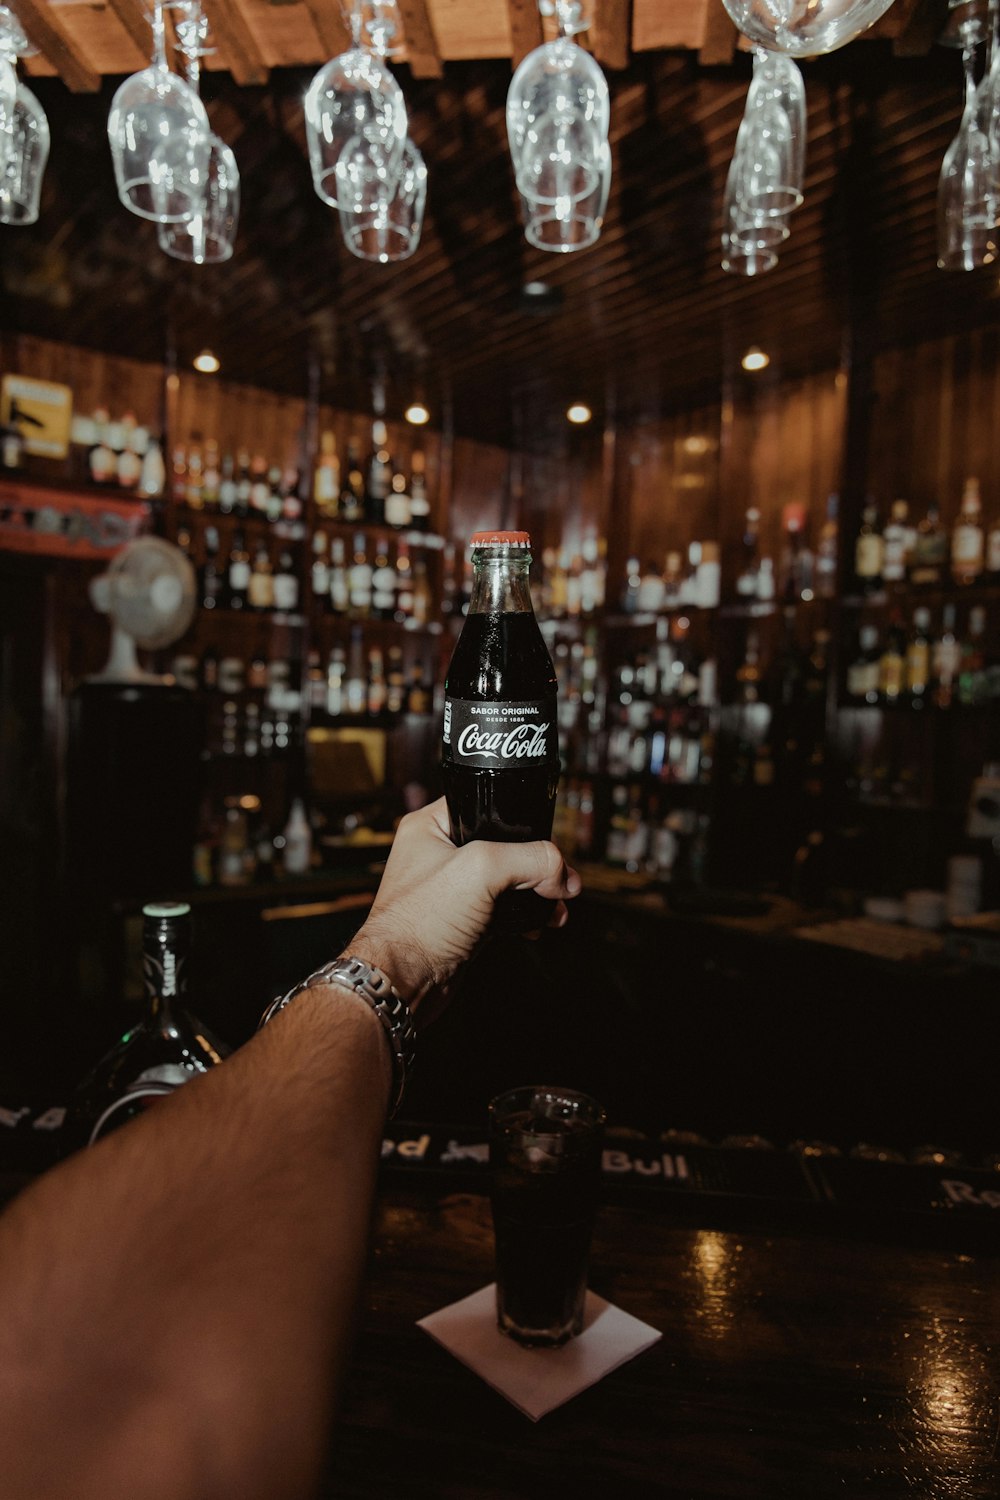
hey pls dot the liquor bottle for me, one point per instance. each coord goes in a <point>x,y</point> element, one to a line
<point>153,475</point>
<point>209,670</point>
<point>419,696</point>
<point>356,678</point>
<point>326,479</point>
<point>166,1049</point>
<point>227,485</point>
<point>863,672</point>
<point>500,752</point>
<point>971,684</point>
<point>826,550</point>
<point>244,483</point>
<point>319,576</point>
<point>765,580</point>
<point>397,504</point>
<point>395,681</point>
<point>286,584</point>
<point>260,490</point>
<point>129,465</point>
<point>967,537</point>
<point>297,850</point>
<point>352,493</point>
<point>211,480</point>
<point>947,659</point>
<point>378,474</point>
<point>869,551</point>
<point>746,578</point>
<point>360,580</point>
<point>212,587</point>
<point>918,658</point>
<point>422,599</point>
<point>650,594</point>
<point>275,504</point>
<point>930,550</point>
<point>404,584</point>
<point>377,689</point>
<point>239,572</point>
<point>336,672</point>
<point>795,571</point>
<point>898,543</point>
<point>748,674</point>
<point>892,663</point>
<point>101,458</point>
<point>630,592</point>
<point>315,682</point>
<point>291,498</point>
<point>194,487</point>
<point>260,589</point>
<point>383,583</point>
<point>339,587</point>
<point>420,505</point>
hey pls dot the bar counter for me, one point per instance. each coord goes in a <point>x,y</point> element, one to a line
<point>793,1364</point>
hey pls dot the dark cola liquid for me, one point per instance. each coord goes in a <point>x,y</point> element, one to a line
<point>502,658</point>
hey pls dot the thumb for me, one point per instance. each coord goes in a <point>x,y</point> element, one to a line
<point>536,866</point>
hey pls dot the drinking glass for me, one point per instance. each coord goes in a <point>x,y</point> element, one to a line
<point>354,97</point>
<point>209,236</point>
<point>13,44</point>
<point>569,223</point>
<point>778,81</point>
<point>804,28</point>
<point>159,135</point>
<point>545,1166</point>
<point>769,157</point>
<point>558,114</point>
<point>968,203</point>
<point>21,177</point>
<point>381,215</point>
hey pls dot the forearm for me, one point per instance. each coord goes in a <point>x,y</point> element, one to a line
<point>178,1300</point>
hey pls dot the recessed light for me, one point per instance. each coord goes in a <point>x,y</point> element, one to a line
<point>206,363</point>
<point>579,413</point>
<point>417,414</point>
<point>536,289</point>
<point>755,359</point>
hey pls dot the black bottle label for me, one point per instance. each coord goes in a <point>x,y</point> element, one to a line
<point>500,736</point>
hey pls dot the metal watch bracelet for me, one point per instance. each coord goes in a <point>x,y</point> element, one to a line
<point>376,990</point>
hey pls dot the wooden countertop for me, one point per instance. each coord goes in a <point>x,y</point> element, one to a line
<point>792,1366</point>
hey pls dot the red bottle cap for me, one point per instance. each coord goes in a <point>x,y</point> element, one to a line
<point>500,539</point>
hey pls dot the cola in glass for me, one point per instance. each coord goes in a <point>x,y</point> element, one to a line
<point>500,749</point>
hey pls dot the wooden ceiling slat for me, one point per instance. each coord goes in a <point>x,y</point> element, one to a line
<point>922,30</point>
<point>668,23</point>
<point>331,28</point>
<point>133,19</point>
<point>421,43</point>
<point>237,46</point>
<point>525,29</point>
<point>46,31</point>
<point>610,32</point>
<point>718,42</point>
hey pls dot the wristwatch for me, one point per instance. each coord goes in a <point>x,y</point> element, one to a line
<point>376,989</point>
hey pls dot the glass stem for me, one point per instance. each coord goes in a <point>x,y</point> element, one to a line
<point>159,36</point>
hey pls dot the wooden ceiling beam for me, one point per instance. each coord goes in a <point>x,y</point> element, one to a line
<point>720,37</point>
<point>237,46</point>
<point>133,19</point>
<point>611,32</point>
<point>46,32</point>
<point>330,26</point>
<point>421,43</point>
<point>525,29</point>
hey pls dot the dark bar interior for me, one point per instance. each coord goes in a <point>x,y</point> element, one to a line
<point>236,501</point>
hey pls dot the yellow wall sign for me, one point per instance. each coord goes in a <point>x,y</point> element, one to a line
<point>41,411</point>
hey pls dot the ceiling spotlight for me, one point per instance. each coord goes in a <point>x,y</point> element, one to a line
<point>579,413</point>
<point>536,289</point>
<point>417,414</point>
<point>755,359</point>
<point>206,363</point>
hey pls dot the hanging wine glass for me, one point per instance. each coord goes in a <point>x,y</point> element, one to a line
<point>968,204</point>
<point>13,44</point>
<point>209,236</point>
<point>569,224</point>
<point>159,135</point>
<point>804,28</point>
<point>21,177</point>
<point>381,218</point>
<point>558,115</point>
<point>354,98</point>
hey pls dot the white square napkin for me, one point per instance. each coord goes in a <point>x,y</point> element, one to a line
<point>538,1380</point>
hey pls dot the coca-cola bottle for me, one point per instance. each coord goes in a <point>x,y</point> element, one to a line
<point>500,753</point>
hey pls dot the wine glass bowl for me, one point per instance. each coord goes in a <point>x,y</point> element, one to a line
<point>561,82</point>
<point>354,96</point>
<point>388,227</point>
<point>21,176</point>
<point>159,135</point>
<point>569,224</point>
<point>209,236</point>
<point>804,28</point>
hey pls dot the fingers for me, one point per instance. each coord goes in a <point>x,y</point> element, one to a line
<point>537,866</point>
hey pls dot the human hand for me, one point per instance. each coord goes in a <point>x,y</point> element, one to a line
<point>435,903</point>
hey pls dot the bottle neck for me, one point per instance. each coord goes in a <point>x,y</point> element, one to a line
<point>500,583</point>
<point>165,949</point>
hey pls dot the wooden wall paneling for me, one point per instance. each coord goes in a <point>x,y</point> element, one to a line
<point>97,380</point>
